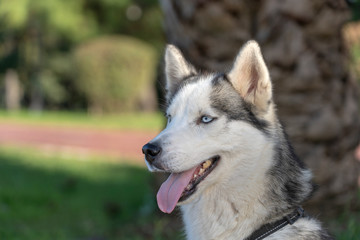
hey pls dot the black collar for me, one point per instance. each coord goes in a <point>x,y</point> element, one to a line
<point>270,228</point>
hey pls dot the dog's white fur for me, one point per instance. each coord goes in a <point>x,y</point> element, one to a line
<point>231,202</point>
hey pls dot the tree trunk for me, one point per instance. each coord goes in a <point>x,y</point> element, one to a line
<point>303,48</point>
<point>13,90</point>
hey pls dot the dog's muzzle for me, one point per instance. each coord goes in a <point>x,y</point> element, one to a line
<point>151,151</point>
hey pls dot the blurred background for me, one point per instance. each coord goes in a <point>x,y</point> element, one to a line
<point>81,90</point>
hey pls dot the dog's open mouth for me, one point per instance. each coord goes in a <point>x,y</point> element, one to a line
<point>180,186</point>
<point>200,174</point>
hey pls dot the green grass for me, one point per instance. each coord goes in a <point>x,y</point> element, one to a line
<point>48,197</point>
<point>347,225</point>
<point>130,121</point>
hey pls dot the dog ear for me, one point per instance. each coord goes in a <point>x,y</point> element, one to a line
<point>250,76</point>
<point>176,70</point>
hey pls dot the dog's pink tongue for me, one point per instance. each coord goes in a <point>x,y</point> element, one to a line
<point>171,190</point>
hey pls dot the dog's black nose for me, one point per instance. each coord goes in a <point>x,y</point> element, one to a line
<point>151,151</point>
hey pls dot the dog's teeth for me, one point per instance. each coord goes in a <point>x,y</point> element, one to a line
<point>201,171</point>
<point>206,164</point>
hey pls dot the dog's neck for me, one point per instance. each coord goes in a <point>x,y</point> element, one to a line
<point>235,209</point>
<point>223,211</point>
<point>222,216</point>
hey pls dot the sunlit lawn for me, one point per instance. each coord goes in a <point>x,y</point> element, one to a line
<point>130,121</point>
<point>49,197</point>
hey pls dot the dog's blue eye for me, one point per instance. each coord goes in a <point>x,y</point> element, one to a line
<point>206,119</point>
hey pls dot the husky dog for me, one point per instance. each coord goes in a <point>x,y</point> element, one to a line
<point>232,170</point>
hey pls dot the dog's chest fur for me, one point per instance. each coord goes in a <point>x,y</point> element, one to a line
<point>216,217</point>
<point>237,209</point>
<point>223,215</point>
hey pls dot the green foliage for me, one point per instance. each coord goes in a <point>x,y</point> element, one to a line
<point>63,17</point>
<point>37,38</point>
<point>114,71</point>
<point>54,92</point>
<point>355,9</point>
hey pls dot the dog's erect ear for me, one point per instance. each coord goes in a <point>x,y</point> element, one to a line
<point>176,70</point>
<point>250,76</point>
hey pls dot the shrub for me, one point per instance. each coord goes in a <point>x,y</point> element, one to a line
<point>115,72</point>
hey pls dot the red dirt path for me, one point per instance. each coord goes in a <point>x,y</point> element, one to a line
<point>116,143</point>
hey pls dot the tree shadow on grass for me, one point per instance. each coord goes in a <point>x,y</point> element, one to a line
<point>105,201</point>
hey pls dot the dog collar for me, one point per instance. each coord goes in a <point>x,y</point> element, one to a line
<point>270,228</point>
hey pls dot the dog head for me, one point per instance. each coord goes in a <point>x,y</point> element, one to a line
<point>216,123</point>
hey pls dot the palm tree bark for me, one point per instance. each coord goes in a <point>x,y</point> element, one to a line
<point>303,48</point>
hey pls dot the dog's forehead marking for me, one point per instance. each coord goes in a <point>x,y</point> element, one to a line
<point>193,96</point>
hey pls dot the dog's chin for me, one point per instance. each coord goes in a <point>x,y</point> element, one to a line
<point>200,177</point>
